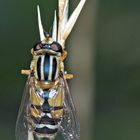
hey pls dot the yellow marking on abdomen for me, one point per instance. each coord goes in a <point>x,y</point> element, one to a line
<point>36,113</point>
<point>56,102</point>
<point>57,113</point>
<point>35,99</point>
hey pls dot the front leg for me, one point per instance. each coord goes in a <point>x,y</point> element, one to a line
<point>26,72</point>
<point>68,76</point>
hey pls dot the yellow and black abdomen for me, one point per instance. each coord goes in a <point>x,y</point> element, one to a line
<point>46,107</point>
<point>47,68</point>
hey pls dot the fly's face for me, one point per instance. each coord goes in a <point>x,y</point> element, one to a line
<point>51,48</point>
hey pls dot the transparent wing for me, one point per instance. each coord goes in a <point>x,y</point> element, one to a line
<point>69,128</point>
<point>21,124</point>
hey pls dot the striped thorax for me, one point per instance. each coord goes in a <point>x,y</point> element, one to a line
<point>47,61</point>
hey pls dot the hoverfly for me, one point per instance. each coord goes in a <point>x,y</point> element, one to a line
<point>47,106</point>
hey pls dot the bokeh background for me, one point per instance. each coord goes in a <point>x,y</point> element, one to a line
<point>104,56</point>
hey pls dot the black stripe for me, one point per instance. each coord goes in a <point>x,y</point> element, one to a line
<point>46,66</point>
<point>45,120</point>
<point>37,137</point>
<point>40,108</point>
<point>44,138</point>
<point>39,68</point>
<point>57,107</point>
<point>46,107</point>
<point>45,130</point>
<point>36,120</point>
<point>54,68</point>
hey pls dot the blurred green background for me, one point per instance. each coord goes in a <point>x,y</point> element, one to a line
<point>117,110</point>
<point>104,55</point>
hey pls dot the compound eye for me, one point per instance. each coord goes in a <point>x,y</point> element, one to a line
<point>38,46</point>
<point>56,47</point>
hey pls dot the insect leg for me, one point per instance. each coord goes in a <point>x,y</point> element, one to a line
<point>26,72</point>
<point>68,76</point>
